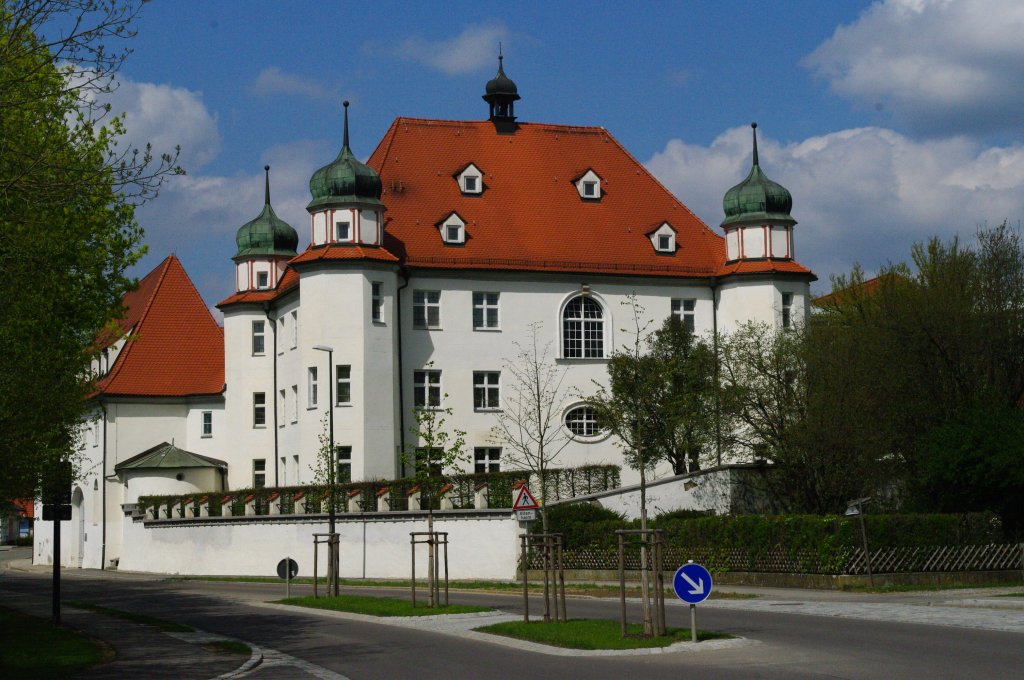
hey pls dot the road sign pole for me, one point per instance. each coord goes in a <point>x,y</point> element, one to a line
<point>288,580</point>
<point>693,623</point>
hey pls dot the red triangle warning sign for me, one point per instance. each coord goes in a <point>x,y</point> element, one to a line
<point>525,500</point>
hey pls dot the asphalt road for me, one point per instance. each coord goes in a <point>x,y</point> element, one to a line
<point>786,644</point>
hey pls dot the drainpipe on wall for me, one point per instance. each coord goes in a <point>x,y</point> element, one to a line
<point>718,382</point>
<point>273,395</point>
<point>103,494</point>
<point>404,273</point>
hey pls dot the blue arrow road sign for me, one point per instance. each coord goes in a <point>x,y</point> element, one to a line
<point>692,583</point>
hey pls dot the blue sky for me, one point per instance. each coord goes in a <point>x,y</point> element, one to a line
<point>889,121</point>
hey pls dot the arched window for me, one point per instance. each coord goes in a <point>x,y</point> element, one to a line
<point>582,421</point>
<point>583,329</point>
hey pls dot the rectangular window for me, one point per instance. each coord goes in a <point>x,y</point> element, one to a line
<point>664,242</point>
<point>295,330</point>
<point>590,189</point>
<point>312,386</point>
<point>426,309</point>
<point>787,310</point>
<point>262,279</point>
<point>259,409</point>
<point>96,433</point>
<point>284,471</point>
<point>343,380</point>
<point>280,407</point>
<point>428,459</point>
<point>344,464</point>
<point>485,390</point>
<point>377,302</point>
<point>485,311</point>
<point>295,403</point>
<point>470,181</point>
<point>259,473</point>
<point>686,311</point>
<point>426,389</point>
<point>280,334</point>
<point>295,468</point>
<point>486,459</point>
<point>342,231</point>
<point>259,344</point>
<point>207,423</point>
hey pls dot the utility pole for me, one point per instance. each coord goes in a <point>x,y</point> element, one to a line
<point>332,550</point>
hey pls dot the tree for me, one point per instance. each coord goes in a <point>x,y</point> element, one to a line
<point>67,226</point>
<point>437,454</point>
<point>529,424</point>
<point>627,408</point>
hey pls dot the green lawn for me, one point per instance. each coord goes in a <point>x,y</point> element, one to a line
<point>32,648</point>
<point>379,606</point>
<point>593,634</point>
<point>1011,595</point>
<point>162,624</point>
<point>230,647</point>
<point>925,587</point>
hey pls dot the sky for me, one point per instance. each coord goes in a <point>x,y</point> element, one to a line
<point>890,122</point>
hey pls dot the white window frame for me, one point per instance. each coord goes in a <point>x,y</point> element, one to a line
<point>206,424</point>
<point>427,392</point>
<point>486,390</point>
<point>377,302</point>
<point>575,329</point>
<point>589,179</point>
<point>342,378</point>
<point>343,460</point>
<point>263,279</point>
<point>282,404</point>
<point>423,303</point>
<point>280,334</point>
<point>312,387</point>
<point>259,332</point>
<point>348,231</point>
<point>486,459</point>
<point>259,473</point>
<point>787,310</point>
<point>489,309</point>
<point>471,172</point>
<point>295,404</point>
<point>295,329</point>
<point>259,409</point>
<point>686,310</point>
<point>664,239</point>
<point>588,420</point>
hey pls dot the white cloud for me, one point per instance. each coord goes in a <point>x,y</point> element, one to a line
<point>860,195</point>
<point>474,48</point>
<point>940,66</point>
<point>167,117</point>
<point>273,81</point>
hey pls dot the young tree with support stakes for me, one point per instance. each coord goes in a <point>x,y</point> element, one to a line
<point>628,408</point>
<point>437,454</point>
<point>529,427</point>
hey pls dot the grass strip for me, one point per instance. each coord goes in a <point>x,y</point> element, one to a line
<point>230,647</point>
<point>1010,595</point>
<point>589,589</point>
<point>34,648</point>
<point>162,624</point>
<point>593,634</point>
<point>379,606</point>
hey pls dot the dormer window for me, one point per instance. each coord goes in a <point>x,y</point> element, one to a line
<point>453,230</point>
<point>262,279</point>
<point>471,180</point>
<point>589,186</point>
<point>342,231</point>
<point>664,238</point>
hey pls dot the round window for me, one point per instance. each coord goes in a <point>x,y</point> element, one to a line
<point>582,422</point>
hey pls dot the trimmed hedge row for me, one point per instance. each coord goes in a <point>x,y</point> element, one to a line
<point>588,526</point>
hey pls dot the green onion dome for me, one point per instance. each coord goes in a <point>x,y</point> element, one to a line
<point>345,179</point>
<point>757,197</point>
<point>268,234</point>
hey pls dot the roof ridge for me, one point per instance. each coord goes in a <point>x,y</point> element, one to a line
<point>122,356</point>
<point>534,124</point>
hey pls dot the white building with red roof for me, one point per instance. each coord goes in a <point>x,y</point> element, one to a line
<point>426,266</point>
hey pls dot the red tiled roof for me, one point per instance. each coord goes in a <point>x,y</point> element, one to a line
<point>289,280</point>
<point>530,215</point>
<point>344,252</point>
<point>175,347</point>
<point>764,267</point>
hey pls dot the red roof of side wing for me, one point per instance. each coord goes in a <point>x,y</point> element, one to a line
<point>175,348</point>
<point>530,215</point>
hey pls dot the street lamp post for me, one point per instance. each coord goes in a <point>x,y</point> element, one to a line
<point>332,551</point>
<point>855,508</point>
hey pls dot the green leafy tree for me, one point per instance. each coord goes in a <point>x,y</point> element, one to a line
<point>67,226</point>
<point>437,454</point>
